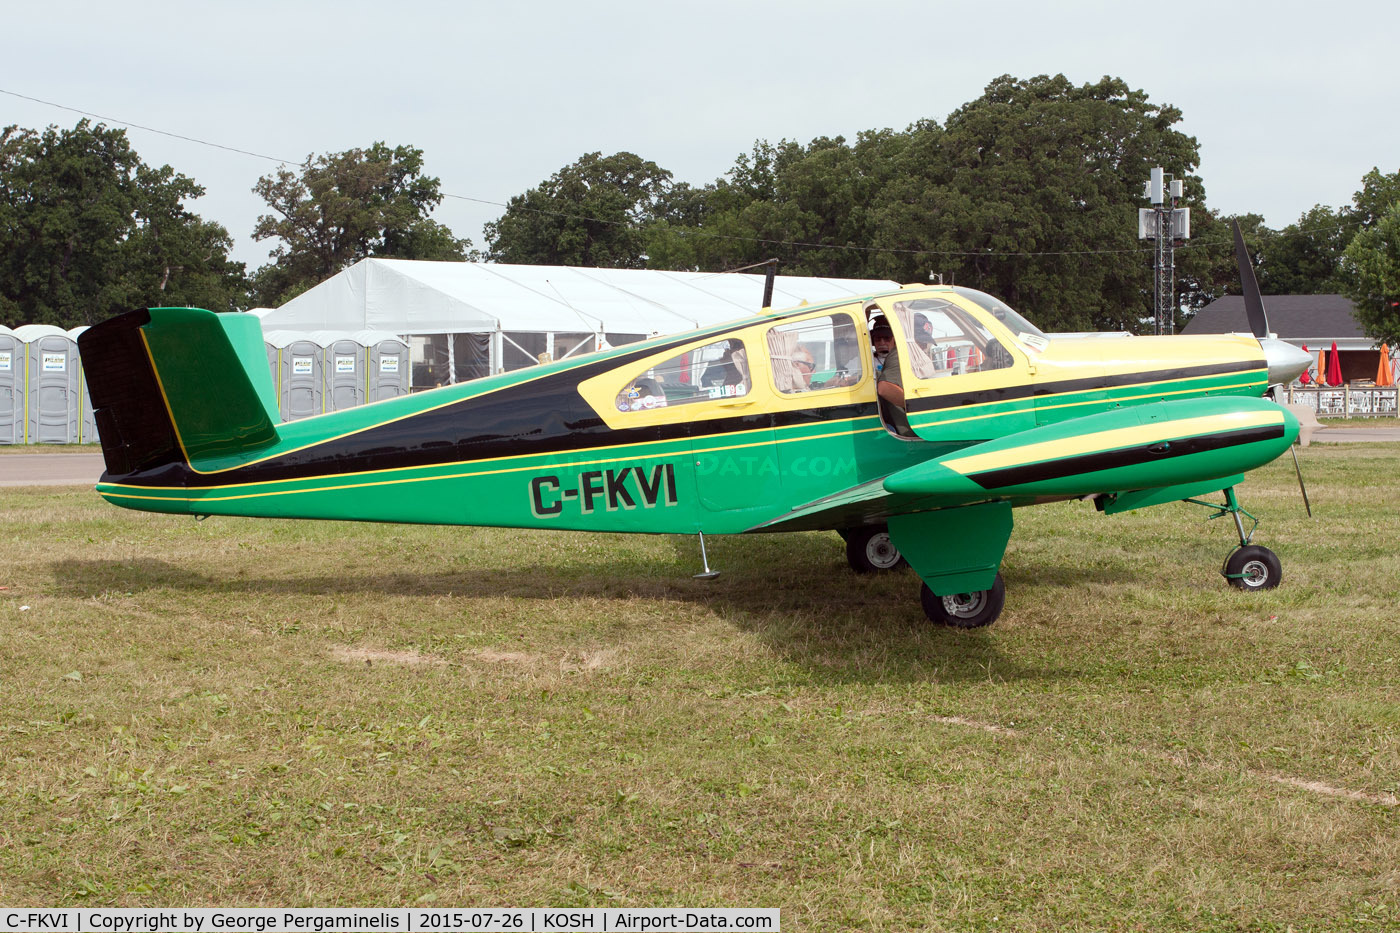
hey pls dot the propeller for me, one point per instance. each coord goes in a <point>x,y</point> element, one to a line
<point>1281,357</point>
<point>1253,301</point>
<point>1301,488</point>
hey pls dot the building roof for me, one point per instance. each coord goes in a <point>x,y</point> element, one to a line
<point>1295,318</point>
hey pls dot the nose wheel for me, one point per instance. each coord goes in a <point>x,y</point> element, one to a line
<point>1252,567</point>
<point>1249,567</point>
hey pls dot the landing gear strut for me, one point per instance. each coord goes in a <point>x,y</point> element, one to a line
<point>1249,567</point>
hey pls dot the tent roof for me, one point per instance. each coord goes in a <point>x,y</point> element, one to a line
<point>412,297</point>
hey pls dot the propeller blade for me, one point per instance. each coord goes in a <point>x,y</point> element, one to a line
<point>1306,504</point>
<point>1253,301</point>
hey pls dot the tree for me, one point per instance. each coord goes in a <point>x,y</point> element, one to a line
<point>1304,258</point>
<point>808,206</point>
<point>1371,276</point>
<point>1031,192</point>
<point>590,213</point>
<point>88,230</point>
<point>344,207</point>
<point>1377,195</point>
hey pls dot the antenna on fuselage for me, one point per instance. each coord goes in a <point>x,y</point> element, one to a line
<point>707,573</point>
<point>770,274</point>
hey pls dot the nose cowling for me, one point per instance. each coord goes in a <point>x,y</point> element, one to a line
<point>1286,362</point>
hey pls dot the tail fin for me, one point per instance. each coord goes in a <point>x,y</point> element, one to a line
<point>178,385</point>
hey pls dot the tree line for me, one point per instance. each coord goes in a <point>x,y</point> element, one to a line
<point>1029,192</point>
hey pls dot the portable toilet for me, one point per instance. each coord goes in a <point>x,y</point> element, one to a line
<point>343,369</point>
<point>298,378</point>
<point>54,385</point>
<point>387,366</point>
<point>11,387</point>
<point>87,424</point>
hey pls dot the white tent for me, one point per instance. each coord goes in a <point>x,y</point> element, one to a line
<point>465,320</point>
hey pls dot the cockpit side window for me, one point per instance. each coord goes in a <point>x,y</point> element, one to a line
<point>718,370</point>
<point>814,354</point>
<point>1024,330</point>
<point>944,340</point>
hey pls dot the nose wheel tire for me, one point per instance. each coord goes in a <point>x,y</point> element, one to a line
<point>965,610</point>
<point>1253,568</point>
<point>870,550</point>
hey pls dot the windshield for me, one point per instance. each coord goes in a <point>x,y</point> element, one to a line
<point>1002,311</point>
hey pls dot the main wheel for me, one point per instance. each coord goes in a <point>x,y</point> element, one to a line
<point>870,550</point>
<point>1253,568</point>
<point>965,610</point>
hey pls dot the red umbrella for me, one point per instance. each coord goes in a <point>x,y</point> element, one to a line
<point>1305,378</point>
<point>1334,367</point>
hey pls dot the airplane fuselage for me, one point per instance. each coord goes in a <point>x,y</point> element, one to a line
<point>560,446</point>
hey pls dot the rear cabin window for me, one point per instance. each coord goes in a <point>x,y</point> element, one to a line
<point>944,340</point>
<point>718,370</point>
<point>818,353</point>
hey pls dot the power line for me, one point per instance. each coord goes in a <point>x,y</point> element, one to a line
<point>151,129</point>
<point>679,231</point>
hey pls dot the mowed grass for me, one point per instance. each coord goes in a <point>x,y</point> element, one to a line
<point>281,713</point>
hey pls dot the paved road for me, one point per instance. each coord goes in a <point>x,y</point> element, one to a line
<point>1342,435</point>
<point>72,469</point>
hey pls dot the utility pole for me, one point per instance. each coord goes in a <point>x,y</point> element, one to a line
<point>1166,225</point>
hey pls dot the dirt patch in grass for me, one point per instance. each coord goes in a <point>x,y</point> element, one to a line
<point>363,655</point>
<point>516,658</point>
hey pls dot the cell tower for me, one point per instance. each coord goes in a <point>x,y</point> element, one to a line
<point>1167,225</point>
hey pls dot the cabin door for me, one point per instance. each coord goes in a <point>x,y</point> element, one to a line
<point>963,380</point>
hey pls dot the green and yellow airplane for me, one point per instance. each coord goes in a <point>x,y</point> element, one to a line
<point>771,423</point>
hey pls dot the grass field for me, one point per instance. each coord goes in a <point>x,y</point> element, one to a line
<point>283,713</point>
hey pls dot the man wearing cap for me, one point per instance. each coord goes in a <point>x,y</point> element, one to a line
<point>889,382</point>
<point>882,344</point>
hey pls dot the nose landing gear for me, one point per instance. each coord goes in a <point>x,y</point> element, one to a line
<point>1249,567</point>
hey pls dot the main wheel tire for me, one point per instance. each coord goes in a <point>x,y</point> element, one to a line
<point>1253,568</point>
<point>965,610</point>
<point>870,550</point>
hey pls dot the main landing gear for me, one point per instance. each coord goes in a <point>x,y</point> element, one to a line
<point>870,550</point>
<point>964,610</point>
<point>1249,567</point>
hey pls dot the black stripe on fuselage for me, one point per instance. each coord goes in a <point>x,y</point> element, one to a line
<point>1128,456</point>
<point>546,415</point>
<point>1087,384</point>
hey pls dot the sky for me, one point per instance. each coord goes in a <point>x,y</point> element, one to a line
<point>1291,103</point>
